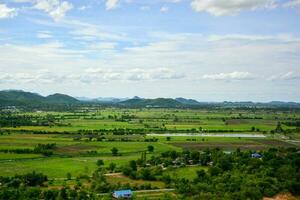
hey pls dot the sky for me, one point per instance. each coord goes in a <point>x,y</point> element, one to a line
<point>209,50</point>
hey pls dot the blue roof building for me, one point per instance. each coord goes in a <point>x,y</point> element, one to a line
<point>122,194</point>
<point>256,155</point>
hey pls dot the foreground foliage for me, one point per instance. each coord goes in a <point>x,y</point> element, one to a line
<point>239,176</point>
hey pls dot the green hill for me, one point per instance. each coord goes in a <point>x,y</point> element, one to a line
<point>21,98</point>
<point>159,102</point>
<point>34,100</point>
<point>187,101</point>
<point>18,97</point>
<point>61,99</point>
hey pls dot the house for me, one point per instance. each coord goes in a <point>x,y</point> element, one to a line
<point>210,163</point>
<point>191,162</point>
<point>256,155</point>
<point>122,194</point>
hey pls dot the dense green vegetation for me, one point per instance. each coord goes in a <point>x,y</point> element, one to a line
<point>237,175</point>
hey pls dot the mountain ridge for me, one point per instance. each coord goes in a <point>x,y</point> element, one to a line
<point>23,98</point>
<point>20,98</point>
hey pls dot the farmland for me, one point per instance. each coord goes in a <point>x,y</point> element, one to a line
<point>66,146</point>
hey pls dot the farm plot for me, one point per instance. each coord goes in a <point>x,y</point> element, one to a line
<point>55,167</point>
<point>249,144</point>
<point>224,146</point>
<point>275,143</point>
<point>189,172</point>
<point>119,178</point>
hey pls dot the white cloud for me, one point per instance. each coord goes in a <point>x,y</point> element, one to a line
<point>55,8</point>
<point>43,76</point>
<point>5,77</point>
<point>103,46</point>
<point>187,57</point>
<point>290,76</point>
<point>85,7</point>
<point>53,55</point>
<point>230,7</point>
<point>111,4</point>
<point>6,12</point>
<point>90,32</point>
<point>22,1</point>
<point>230,76</point>
<point>292,3</point>
<point>44,35</point>
<point>164,9</point>
<point>145,8</point>
<point>135,74</point>
<point>286,76</point>
<point>166,73</point>
<point>173,1</point>
<point>254,38</point>
<point>152,74</point>
<point>91,75</point>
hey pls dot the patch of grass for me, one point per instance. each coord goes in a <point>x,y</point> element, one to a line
<point>119,178</point>
<point>13,156</point>
<point>189,172</point>
<point>58,167</point>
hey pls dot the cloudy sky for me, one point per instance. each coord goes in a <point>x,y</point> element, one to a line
<point>210,50</point>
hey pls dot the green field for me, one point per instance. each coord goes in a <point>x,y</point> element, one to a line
<point>171,119</point>
<point>185,172</point>
<point>83,138</point>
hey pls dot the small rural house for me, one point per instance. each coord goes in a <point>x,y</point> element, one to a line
<point>122,194</point>
<point>256,155</point>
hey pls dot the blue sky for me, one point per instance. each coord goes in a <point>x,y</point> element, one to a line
<point>210,50</point>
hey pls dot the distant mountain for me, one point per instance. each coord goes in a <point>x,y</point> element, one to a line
<point>187,101</point>
<point>280,103</point>
<point>250,104</point>
<point>102,99</point>
<point>61,99</point>
<point>137,97</point>
<point>84,99</point>
<point>159,102</point>
<point>110,99</point>
<point>21,98</point>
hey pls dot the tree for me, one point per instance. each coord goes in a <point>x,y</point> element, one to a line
<point>225,163</point>
<point>146,174</point>
<point>278,129</point>
<point>112,166</point>
<point>150,148</point>
<point>183,186</point>
<point>63,194</point>
<point>50,194</point>
<point>69,176</point>
<point>114,151</point>
<point>201,174</point>
<point>167,179</point>
<point>99,183</point>
<point>100,163</point>
<point>133,165</point>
